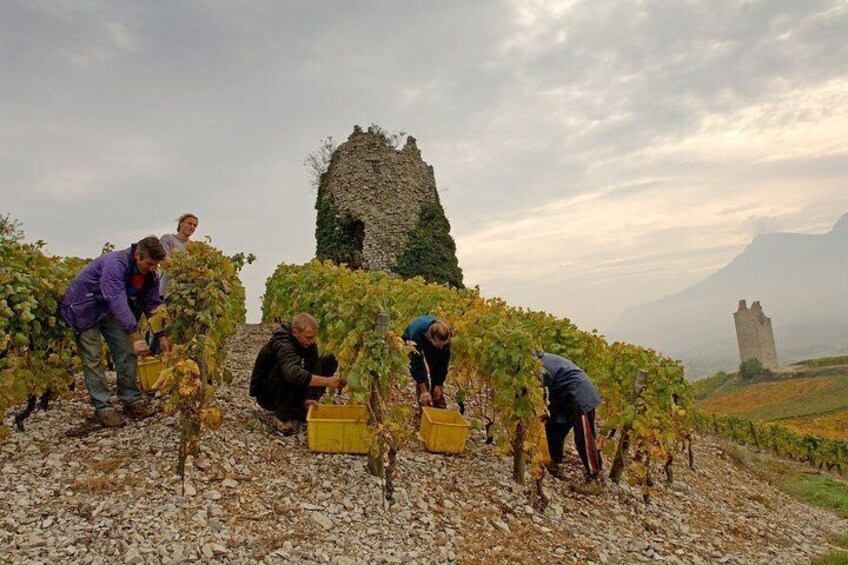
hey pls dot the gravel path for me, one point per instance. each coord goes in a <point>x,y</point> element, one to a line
<point>111,496</point>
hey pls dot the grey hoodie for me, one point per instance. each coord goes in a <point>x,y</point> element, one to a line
<point>570,391</point>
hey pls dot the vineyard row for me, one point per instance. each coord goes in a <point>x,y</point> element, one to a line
<point>492,365</point>
<point>38,351</point>
<point>829,454</point>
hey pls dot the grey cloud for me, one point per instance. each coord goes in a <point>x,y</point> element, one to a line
<point>764,224</point>
<point>119,116</point>
<point>672,77</point>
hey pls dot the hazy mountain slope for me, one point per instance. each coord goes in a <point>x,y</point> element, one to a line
<point>801,281</point>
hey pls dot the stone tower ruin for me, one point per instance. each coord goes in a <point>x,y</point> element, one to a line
<point>378,209</point>
<point>755,335</point>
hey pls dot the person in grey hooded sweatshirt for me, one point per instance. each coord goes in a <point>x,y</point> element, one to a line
<point>572,399</point>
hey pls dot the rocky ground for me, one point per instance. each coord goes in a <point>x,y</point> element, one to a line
<point>112,496</point>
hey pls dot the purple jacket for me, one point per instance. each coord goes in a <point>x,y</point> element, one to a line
<point>101,289</point>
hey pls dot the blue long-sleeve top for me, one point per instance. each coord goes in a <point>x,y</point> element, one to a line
<point>426,354</point>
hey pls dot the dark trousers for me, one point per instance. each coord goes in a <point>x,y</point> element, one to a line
<point>417,357</point>
<point>584,441</point>
<point>287,401</point>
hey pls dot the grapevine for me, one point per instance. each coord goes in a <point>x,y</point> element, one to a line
<point>205,302</point>
<point>36,347</point>
<point>822,453</point>
<point>493,362</point>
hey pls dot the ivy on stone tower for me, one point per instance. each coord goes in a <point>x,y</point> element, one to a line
<point>378,209</point>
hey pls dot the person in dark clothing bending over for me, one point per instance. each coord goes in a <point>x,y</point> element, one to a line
<point>289,376</point>
<point>572,399</point>
<point>428,364</point>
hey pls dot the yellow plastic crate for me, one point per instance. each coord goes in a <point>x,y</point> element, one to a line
<point>443,431</point>
<point>148,373</point>
<point>338,429</point>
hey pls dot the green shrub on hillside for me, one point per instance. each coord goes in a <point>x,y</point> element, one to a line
<point>752,369</point>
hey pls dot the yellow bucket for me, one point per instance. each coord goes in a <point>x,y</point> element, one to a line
<point>443,431</point>
<point>338,429</point>
<point>148,373</point>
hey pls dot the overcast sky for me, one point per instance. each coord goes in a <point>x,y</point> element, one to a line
<point>590,156</point>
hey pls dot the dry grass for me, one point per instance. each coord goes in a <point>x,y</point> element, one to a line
<point>105,466</point>
<point>522,544</point>
<point>106,481</point>
<point>762,396</point>
<point>831,426</point>
<point>269,542</point>
<point>95,485</point>
<point>103,483</point>
<point>766,468</point>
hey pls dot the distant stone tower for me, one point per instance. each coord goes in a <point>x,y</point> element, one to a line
<point>378,209</point>
<point>755,335</point>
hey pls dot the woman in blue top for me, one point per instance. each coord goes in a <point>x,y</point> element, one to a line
<point>428,364</point>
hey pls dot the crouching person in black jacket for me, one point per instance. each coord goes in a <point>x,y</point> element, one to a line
<point>572,399</point>
<point>289,376</point>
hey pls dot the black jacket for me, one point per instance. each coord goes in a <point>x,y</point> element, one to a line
<point>282,372</point>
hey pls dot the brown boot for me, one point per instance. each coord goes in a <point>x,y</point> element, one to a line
<point>424,398</point>
<point>139,410</point>
<point>439,398</point>
<point>109,418</point>
<point>592,487</point>
<point>557,470</point>
<point>285,427</point>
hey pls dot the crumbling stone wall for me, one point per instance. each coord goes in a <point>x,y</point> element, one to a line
<point>754,335</point>
<point>378,209</point>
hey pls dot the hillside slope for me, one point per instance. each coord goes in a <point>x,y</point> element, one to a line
<point>800,280</point>
<point>813,399</point>
<point>112,496</point>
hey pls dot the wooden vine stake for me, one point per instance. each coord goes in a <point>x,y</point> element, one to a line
<point>622,450</point>
<point>519,458</point>
<point>375,405</point>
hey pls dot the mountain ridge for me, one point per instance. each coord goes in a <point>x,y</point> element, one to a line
<point>800,279</point>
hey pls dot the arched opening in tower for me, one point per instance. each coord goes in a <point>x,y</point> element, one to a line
<point>357,237</point>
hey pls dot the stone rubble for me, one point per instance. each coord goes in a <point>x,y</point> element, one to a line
<point>112,496</point>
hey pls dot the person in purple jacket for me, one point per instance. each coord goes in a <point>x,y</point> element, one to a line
<point>107,299</point>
